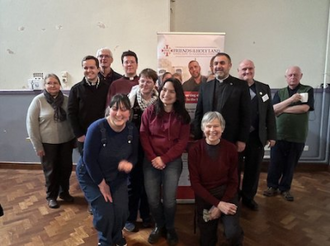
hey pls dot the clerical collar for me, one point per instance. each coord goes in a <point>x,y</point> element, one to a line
<point>130,78</point>
<point>221,80</point>
<point>93,84</point>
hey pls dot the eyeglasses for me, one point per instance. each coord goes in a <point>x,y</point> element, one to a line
<point>104,56</point>
<point>148,82</point>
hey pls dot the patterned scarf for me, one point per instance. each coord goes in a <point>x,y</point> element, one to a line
<point>143,103</point>
<point>56,103</point>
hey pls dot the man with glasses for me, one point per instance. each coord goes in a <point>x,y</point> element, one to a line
<point>106,74</point>
<point>123,85</point>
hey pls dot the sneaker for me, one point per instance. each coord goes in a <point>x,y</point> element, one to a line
<point>122,242</point>
<point>287,196</point>
<point>270,192</point>
<point>66,197</point>
<point>172,237</point>
<point>130,226</point>
<point>52,203</point>
<point>156,234</point>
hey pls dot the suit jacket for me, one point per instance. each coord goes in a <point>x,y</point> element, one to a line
<point>267,121</point>
<point>235,108</point>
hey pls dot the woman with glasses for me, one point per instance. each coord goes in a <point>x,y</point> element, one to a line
<point>52,139</point>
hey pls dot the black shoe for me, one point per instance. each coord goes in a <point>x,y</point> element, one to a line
<point>66,197</point>
<point>156,234</point>
<point>1,211</point>
<point>122,242</point>
<point>251,204</point>
<point>172,237</point>
<point>52,203</point>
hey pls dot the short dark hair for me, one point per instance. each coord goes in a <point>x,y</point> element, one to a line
<point>89,57</point>
<point>179,105</point>
<point>128,53</point>
<point>149,73</point>
<point>221,54</point>
<point>117,100</point>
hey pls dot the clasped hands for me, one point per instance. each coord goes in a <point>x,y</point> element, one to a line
<point>215,212</point>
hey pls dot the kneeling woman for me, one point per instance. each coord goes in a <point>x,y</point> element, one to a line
<point>109,154</point>
<point>213,176</point>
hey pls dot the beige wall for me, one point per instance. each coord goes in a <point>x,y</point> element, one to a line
<point>274,33</point>
<point>54,35</point>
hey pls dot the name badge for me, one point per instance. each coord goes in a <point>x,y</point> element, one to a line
<point>265,98</point>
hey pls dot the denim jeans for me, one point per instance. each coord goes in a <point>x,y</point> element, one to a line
<point>163,182</point>
<point>108,218</point>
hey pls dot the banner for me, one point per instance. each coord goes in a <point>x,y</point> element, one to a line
<point>174,52</point>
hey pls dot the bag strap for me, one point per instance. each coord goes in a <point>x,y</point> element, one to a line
<point>104,134</point>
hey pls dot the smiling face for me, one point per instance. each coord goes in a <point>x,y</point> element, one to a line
<point>168,94</point>
<point>212,131</point>
<point>221,66</point>
<point>194,69</point>
<point>105,58</point>
<point>118,116</point>
<point>130,66</point>
<point>146,85</point>
<point>246,71</point>
<point>90,70</point>
<point>52,86</point>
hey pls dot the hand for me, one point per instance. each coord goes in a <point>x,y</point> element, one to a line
<point>240,146</point>
<point>295,98</point>
<point>158,163</point>
<point>215,213</point>
<point>227,208</point>
<point>105,190</point>
<point>81,139</point>
<point>271,143</point>
<point>125,166</point>
<point>41,153</point>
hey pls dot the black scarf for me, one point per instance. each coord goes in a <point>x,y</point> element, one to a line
<point>56,103</point>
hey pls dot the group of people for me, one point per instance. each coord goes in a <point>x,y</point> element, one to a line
<point>131,135</point>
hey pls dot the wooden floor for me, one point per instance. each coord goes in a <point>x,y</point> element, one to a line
<point>29,222</point>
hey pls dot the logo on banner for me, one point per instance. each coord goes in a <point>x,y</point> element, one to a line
<point>167,50</point>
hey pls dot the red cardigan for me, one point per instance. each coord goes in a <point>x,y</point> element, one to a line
<point>165,136</point>
<point>207,172</point>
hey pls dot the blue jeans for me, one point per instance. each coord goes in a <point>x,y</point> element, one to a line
<point>163,182</point>
<point>108,218</point>
<point>284,157</point>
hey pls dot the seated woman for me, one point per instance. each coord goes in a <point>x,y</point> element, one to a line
<point>110,150</point>
<point>213,175</point>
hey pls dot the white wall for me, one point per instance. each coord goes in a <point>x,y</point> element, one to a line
<point>275,34</point>
<point>54,35</point>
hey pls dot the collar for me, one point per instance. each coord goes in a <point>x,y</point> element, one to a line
<point>91,84</point>
<point>221,80</point>
<point>131,78</point>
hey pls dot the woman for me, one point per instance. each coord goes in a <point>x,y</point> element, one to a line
<point>213,176</point>
<point>110,151</point>
<point>141,96</point>
<point>52,139</point>
<point>164,136</point>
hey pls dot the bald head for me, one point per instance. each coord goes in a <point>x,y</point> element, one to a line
<point>293,76</point>
<point>246,71</point>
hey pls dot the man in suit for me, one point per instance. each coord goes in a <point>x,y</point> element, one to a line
<point>262,132</point>
<point>229,96</point>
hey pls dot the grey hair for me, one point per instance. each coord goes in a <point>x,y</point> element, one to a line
<point>104,48</point>
<point>52,75</point>
<point>209,116</point>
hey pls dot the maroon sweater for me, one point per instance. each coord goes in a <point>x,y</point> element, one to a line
<point>207,172</point>
<point>165,136</point>
<point>122,85</point>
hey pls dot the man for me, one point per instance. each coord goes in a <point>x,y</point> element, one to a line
<point>262,131</point>
<point>229,96</point>
<point>291,105</point>
<point>87,100</point>
<point>129,61</point>
<point>106,74</point>
<point>196,78</point>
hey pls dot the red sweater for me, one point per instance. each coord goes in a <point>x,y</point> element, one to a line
<point>164,136</point>
<point>208,172</point>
